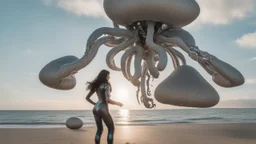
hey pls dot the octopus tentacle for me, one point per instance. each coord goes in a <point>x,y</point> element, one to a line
<point>208,68</point>
<point>151,64</point>
<point>109,31</point>
<point>58,73</point>
<point>111,54</point>
<point>168,44</point>
<point>174,41</point>
<point>180,33</point>
<point>156,48</point>
<point>137,94</point>
<point>223,74</point>
<point>148,89</point>
<point>172,54</point>
<point>148,102</point>
<point>128,65</point>
<point>137,65</point>
<point>115,42</point>
<point>226,71</point>
<point>86,59</point>
<point>180,55</point>
<point>143,80</point>
<point>126,56</point>
<point>216,77</point>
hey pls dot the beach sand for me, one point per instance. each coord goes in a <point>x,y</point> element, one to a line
<point>150,134</point>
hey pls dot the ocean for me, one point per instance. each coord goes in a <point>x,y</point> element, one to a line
<point>40,119</point>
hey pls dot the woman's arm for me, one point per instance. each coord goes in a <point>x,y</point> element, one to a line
<point>114,102</point>
<point>107,94</point>
<point>88,97</point>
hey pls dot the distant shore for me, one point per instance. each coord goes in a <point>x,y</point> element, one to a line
<point>147,134</point>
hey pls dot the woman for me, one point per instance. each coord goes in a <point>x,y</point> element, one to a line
<point>102,87</point>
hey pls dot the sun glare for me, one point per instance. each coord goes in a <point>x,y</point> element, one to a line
<point>124,113</point>
<point>124,116</point>
<point>122,94</point>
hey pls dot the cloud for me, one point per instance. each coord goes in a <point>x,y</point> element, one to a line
<point>15,104</point>
<point>90,8</point>
<point>250,81</point>
<point>32,74</point>
<point>237,103</point>
<point>212,11</point>
<point>247,40</point>
<point>28,51</point>
<point>252,59</point>
<point>47,2</point>
<point>220,12</point>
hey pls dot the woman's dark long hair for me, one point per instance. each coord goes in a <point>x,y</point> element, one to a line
<point>101,78</point>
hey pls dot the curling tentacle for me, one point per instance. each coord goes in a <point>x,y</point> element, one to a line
<point>128,66</point>
<point>172,54</point>
<point>58,73</point>
<point>116,41</point>
<point>137,65</point>
<point>151,63</point>
<point>173,41</point>
<point>156,48</point>
<point>148,102</point>
<point>223,74</point>
<point>111,54</point>
<point>109,31</point>
<point>180,55</point>
<point>126,56</point>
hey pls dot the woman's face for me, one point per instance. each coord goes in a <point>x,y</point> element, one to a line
<point>108,77</point>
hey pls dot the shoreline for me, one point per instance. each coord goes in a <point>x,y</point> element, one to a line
<point>34,126</point>
<point>145,125</point>
<point>167,109</point>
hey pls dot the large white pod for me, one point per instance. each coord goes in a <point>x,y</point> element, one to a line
<point>74,123</point>
<point>175,13</point>
<point>186,87</point>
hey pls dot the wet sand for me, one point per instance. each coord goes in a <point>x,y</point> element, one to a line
<point>149,134</point>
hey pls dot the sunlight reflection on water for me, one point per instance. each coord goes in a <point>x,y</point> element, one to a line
<point>124,116</point>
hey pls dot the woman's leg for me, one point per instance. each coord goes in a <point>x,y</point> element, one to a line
<point>110,125</point>
<point>98,120</point>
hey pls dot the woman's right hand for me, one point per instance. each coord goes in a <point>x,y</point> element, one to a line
<point>119,104</point>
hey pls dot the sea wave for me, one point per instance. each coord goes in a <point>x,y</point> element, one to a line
<point>37,123</point>
<point>133,117</point>
<point>144,120</point>
<point>206,118</point>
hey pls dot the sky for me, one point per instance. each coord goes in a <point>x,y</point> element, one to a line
<point>35,32</point>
